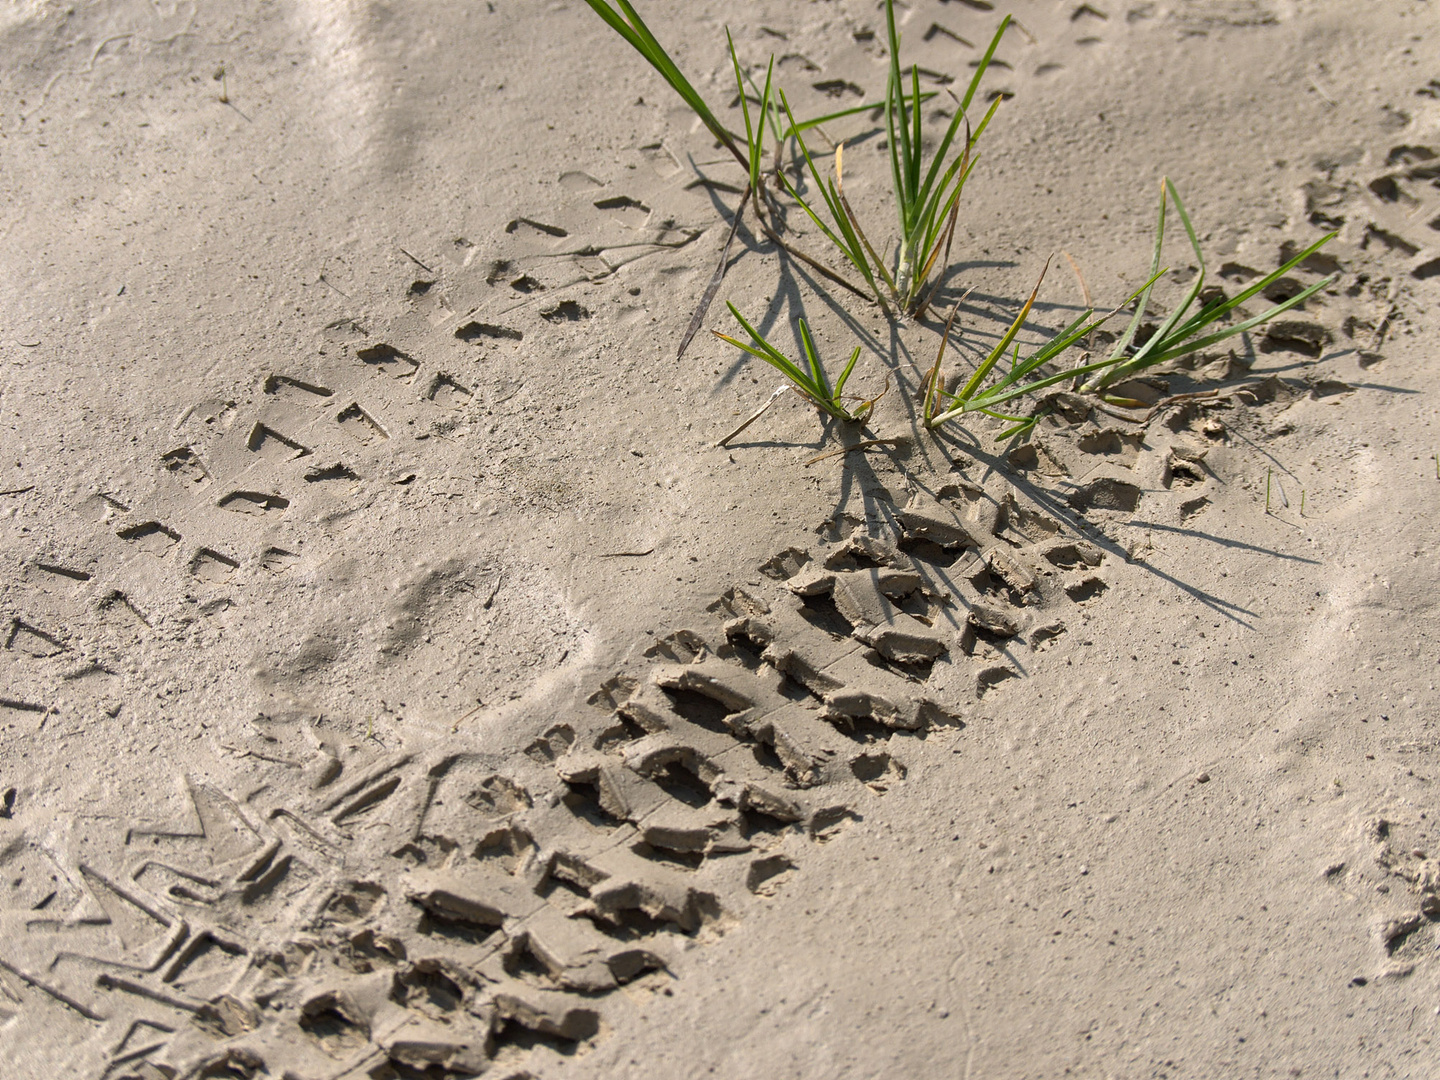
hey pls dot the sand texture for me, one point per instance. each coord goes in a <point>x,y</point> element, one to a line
<point>398,681</point>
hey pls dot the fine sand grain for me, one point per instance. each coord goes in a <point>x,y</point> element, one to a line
<point>396,680</point>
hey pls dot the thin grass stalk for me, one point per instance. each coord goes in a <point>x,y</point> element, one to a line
<point>817,373</point>
<point>1138,361</point>
<point>814,264</point>
<point>851,246</point>
<point>934,288</point>
<point>869,106</point>
<point>754,134</point>
<point>964,163</point>
<point>855,221</point>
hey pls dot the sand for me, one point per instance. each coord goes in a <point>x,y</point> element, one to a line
<point>398,681</point>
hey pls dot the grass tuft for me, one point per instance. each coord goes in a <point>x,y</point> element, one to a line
<point>1180,335</point>
<point>927,198</point>
<point>927,192</point>
<point>810,379</point>
<point>1023,376</point>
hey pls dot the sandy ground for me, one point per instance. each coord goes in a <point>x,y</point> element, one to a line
<point>398,682</point>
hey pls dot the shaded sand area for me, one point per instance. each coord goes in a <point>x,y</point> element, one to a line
<point>396,680</point>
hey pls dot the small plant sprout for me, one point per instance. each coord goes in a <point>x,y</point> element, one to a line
<point>1179,335</point>
<point>927,199</point>
<point>810,379</point>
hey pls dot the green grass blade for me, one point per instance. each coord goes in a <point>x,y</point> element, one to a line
<point>931,225</point>
<point>1019,429</point>
<point>848,247</point>
<point>1217,311</point>
<point>1172,350</point>
<point>1138,361</point>
<point>858,243</point>
<point>633,29</point>
<point>850,225</point>
<point>923,197</point>
<point>814,175</point>
<point>757,147</point>
<point>766,99</point>
<point>989,400</point>
<point>1143,299</point>
<point>902,151</point>
<point>849,367</point>
<point>817,371</point>
<point>984,369</point>
<point>750,141</point>
<point>897,171</point>
<point>985,120</point>
<point>1012,385</point>
<point>760,342</point>
<point>1269,279</point>
<point>763,350</point>
<point>1003,416</point>
<point>620,26</point>
<point>915,138</point>
<point>825,230</point>
<point>952,131</point>
<point>1052,348</point>
<point>661,61</point>
<point>933,254</point>
<point>870,106</point>
<point>791,372</point>
<point>853,223</point>
<point>933,390</point>
<point>767,111</point>
<point>784,364</point>
<point>984,63</point>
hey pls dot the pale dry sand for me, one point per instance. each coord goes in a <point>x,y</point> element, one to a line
<point>381,691</point>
